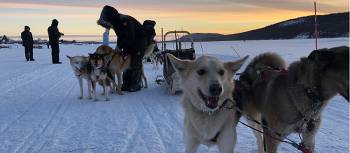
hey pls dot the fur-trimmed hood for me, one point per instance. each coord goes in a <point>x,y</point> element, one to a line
<point>109,17</point>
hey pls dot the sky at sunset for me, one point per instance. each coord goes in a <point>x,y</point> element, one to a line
<point>211,16</point>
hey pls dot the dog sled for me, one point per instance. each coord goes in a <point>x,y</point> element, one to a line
<point>180,51</point>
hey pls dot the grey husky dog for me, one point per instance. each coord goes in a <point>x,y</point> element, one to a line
<point>99,74</point>
<point>207,83</point>
<point>292,100</point>
<point>80,66</point>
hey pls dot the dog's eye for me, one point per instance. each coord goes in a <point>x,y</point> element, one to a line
<point>221,72</point>
<point>201,72</point>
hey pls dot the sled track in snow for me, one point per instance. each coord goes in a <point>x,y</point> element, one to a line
<point>33,104</point>
<point>131,136</point>
<point>23,80</point>
<point>144,129</point>
<point>153,125</point>
<point>40,112</point>
<point>57,112</point>
<point>167,125</point>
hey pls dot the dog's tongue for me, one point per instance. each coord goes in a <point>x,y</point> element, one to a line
<point>212,102</point>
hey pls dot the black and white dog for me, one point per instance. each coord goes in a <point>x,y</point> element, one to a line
<point>99,74</point>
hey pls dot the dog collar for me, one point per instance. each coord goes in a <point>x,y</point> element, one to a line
<point>264,76</point>
<point>312,113</point>
<point>311,94</point>
<point>228,104</point>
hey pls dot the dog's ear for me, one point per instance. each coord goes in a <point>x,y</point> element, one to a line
<point>69,57</point>
<point>236,65</point>
<point>322,57</point>
<point>179,65</point>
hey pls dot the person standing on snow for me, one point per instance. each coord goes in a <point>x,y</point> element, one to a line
<point>106,37</point>
<point>54,36</point>
<point>27,42</point>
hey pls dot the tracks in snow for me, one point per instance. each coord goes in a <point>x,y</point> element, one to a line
<point>40,112</point>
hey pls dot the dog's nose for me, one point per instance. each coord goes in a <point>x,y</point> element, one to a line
<point>215,89</point>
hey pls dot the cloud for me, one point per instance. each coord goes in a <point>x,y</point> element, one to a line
<point>223,16</point>
<point>298,5</point>
<point>325,6</point>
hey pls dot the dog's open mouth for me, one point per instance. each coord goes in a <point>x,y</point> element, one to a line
<point>210,101</point>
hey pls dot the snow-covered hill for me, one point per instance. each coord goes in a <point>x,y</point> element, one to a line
<point>328,26</point>
<point>40,111</point>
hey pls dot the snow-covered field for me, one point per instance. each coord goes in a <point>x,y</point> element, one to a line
<point>40,111</point>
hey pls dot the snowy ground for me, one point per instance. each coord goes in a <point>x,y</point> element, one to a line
<point>40,112</point>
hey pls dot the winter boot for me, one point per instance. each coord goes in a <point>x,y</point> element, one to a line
<point>135,80</point>
<point>126,80</point>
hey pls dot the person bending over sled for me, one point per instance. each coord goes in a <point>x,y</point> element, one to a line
<point>132,39</point>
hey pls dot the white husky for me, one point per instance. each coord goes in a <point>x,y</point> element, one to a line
<point>80,68</point>
<point>207,85</point>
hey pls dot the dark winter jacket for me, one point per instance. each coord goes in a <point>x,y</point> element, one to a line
<point>54,33</point>
<point>148,26</point>
<point>130,33</point>
<point>27,38</point>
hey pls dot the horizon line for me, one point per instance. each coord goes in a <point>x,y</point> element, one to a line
<point>159,35</point>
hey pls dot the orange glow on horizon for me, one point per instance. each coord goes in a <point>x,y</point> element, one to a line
<point>81,20</point>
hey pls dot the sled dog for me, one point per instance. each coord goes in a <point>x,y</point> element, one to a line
<point>80,66</point>
<point>292,100</point>
<point>117,64</point>
<point>207,83</point>
<point>149,50</point>
<point>99,73</point>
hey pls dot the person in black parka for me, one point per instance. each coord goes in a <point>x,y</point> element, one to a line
<point>132,39</point>
<point>27,42</point>
<point>54,36</point>
<point>148,25</point>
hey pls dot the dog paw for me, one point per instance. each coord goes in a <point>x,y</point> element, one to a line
<point>80,97</point>
<point>120,93</point>
<point>90,97</point>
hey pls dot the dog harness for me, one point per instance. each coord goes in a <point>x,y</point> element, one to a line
<point>263,72</point>
<point>311,115</point>
<point>78,72</point>
<point>102,72</point>
<point>299,146</point>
